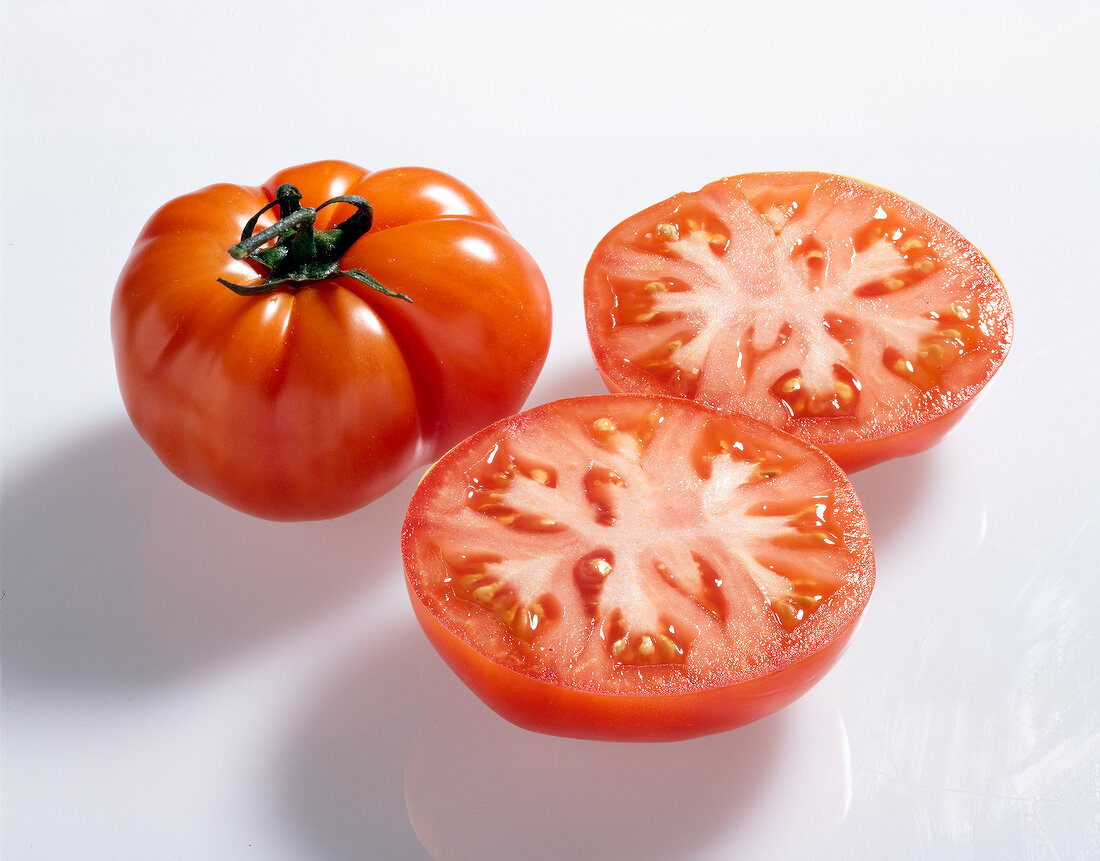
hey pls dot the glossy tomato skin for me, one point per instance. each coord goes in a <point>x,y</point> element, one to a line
<point>934,378</point>
<point>308,403</point>
<point>507,673</point>
<point>542,706</point>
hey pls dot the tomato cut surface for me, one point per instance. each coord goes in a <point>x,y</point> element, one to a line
<point>836,310</point>
<point>636,568</point>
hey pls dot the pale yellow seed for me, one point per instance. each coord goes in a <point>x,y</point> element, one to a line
<point>910,244</point>
<point>645,316</point>
<point>816,252</point>
<point>845,392</point>
<point>540,476</point>
<point>924,265</point>
<point>601,567</point>
<point>506,519</point>
<point>959,311</point>
<point>604,425</point>
<point>656,287</point>
<point>792,385</point>
<point>893,284</point>
<point>717,239</point>
<point>932,351</point>
<point>672,346</point>
<point>618,648</point>
<point>484,594</point>
<point>668,231</point>
<point>785,612</point>
<point>646,647</point>
<point>903,366</point>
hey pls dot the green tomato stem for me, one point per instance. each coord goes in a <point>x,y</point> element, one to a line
<point>302,254</point>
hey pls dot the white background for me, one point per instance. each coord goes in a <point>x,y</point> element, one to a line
<point>184,682</point>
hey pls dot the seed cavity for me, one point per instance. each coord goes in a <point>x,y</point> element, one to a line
<point>589,574</point>
<point>841,399</point>
<point>667,645</point>
<point>600,486</point>
<point>475,581</point>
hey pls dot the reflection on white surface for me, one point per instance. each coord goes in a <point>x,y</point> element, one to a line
<point>474,780</point>
<point>981,724</point>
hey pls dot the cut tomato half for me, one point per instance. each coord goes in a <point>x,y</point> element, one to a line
<point>636,568</point>
<point>833,309</point>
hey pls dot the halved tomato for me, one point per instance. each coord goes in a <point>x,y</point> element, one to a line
<point>636,568</point>
<point>836,310</point>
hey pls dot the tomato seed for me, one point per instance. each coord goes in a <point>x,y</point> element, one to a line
<point>959,311</point>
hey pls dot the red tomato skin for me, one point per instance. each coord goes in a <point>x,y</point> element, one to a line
<point>920,429</point>
<point>539,706</point>
<point>852,457</point>
<point>308,404</point>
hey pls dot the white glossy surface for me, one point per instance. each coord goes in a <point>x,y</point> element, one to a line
<point>181,681</point>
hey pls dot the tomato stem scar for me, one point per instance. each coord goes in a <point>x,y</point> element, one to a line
<point>302,254</point>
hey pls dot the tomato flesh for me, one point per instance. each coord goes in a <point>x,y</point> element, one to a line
<point>636,567</point>
<point>838,311</point>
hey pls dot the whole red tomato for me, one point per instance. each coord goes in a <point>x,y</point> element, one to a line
<point>364,323</point>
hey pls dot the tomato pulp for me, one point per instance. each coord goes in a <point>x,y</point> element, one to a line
<point>836,310</point>
<point>636,568</point>
<point>309,394</point>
